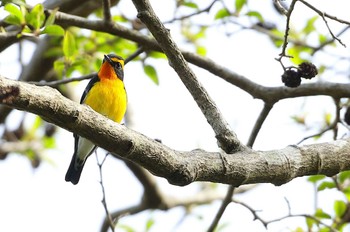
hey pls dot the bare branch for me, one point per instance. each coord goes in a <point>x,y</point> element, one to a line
<point>333,126</point>
<point>206,9</point>
<point>266,222</point>
<point>224,204</point>
<point>330,31</point>
<point>63,81</point>
<point>323,16</point>
<point>111,222</point>
<point>286,33</point>
<point>180,168</point>
<point>259,122</point>
<point>323,13</point>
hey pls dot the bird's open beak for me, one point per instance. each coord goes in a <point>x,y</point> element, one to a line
<point>108,60</point>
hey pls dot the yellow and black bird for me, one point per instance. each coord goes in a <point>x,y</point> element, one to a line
<point>105,94</point>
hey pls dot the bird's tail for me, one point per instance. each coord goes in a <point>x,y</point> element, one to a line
<point>74,170</point>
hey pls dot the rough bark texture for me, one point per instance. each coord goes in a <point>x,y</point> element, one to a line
<point>179,168</point>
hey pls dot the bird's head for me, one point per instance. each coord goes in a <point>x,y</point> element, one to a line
<point>112,67</point>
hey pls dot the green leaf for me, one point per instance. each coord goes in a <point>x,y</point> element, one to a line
<point>149,224</point>
<point>201,50</point>
<point>35,126</point>
<point>69,45</point>
<point>315,178</point>
<point>151,73</point>
<point>59,66</point>
<point>36,16</point>
<point>51,19</point>
<point>310,27</point>
<point>279,34</point>
<point>328,118</point>
<point>298,53</point>
<point>53,30</point>
<point>120,18</point>
<point>310,222</point>
<point>126,228</point>
<point>343,176</point>
<point>16,16</point>
<point>157,55</point>
<point>339,208</point>
<point>17,2</point>
<point>12,19</point>
<point>322,38</point>
<point>190,5</point>
<point>346,192</point>
<point>255,14</point>
<point>49,142</point>
<point>13,10</point>
<point>37,123</point>
<point>324,229</point>
<point>222,13</point>
<point>201,33</point>
<point>321,69</point>
<point>326,184</point>
<point>239,5</point>
<point>321,214</point>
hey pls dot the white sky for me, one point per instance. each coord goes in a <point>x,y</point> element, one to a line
<point>40,200</point>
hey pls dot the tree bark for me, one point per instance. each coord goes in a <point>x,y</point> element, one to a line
<point>179,168</point>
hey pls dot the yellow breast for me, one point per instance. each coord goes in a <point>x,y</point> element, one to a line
<point>108,97</point>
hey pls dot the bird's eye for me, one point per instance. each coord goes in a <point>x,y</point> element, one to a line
<point>118,65</point>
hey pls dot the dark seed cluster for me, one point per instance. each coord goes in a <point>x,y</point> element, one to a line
<point>307,70</point>
<point>292,78</point>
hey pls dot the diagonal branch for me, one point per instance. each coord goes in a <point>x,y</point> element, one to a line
<point>178,167</point>
<point>267,94</point>
<point>259,122</point>
<point>227,139</point>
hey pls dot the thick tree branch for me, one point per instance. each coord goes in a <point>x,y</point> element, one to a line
<point>179,168</point>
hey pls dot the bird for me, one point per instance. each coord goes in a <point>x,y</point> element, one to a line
<point>105,94</point>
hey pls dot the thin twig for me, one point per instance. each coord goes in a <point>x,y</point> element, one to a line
<point>134,55</point>
<point>89,76</point>
<point>333,126</point>
<point>259,122</point>
<point>64,81</point>
<point>324,15</point>
<point>253,211</point>
<point>206,9</point>
<point>286,33</point>
<point>289,215</point>
<point>329,41</point>
<point>224,204</point>
<point>112,223</point>
<point>330,31</point>
<point>124,212</point>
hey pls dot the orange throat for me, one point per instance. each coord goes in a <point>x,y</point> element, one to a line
<point>107,72</point>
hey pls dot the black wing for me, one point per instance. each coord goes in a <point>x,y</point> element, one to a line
<point>88,87</point>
